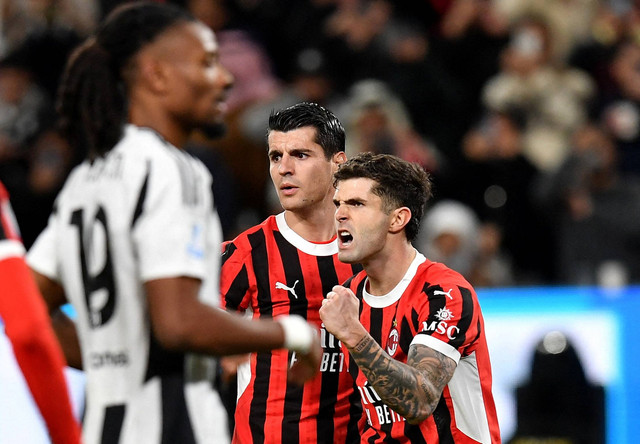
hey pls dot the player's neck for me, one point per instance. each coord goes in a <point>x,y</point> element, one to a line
<point>316,225</point>
<point>388,267</point>
<point>159,121</point>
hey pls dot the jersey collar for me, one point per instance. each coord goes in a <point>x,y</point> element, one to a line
<point>326,249</point>
<point>394,295</point>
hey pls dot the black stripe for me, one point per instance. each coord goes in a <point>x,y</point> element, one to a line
<point>374,438</point>
<point>355,414</point>
<point>330,380</point>
<point>229,249</point>
<point>237,290</point>
<point>161,361</point>
<point>413,432</point>
<point>442,418</point>
<point>465,317</point>
<point>112,424</point>
<point>3,233</point>
<point>358,293</point>
<point>375,328</point>
<point>141,197</point>
<point>406,335</point>
<point>176,424</point>
<point>258,409</point>
<point>297,305</point>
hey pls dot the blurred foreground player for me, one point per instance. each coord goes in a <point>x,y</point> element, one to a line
<point>133,238</point>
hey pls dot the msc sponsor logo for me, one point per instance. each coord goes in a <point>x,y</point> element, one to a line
<point>441,327</point>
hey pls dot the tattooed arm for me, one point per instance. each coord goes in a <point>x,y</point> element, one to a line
<point>412,389</point>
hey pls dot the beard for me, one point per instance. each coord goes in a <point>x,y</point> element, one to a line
<point>214,130</point>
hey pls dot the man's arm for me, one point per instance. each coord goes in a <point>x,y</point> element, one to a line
<point>412,389</point>
<point>181,321</point>
<point>64,328</point>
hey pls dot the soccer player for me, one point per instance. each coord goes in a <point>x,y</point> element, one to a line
<point>286,265</point>
<point>27,326</point>
<point>423,367</point>
<point>133,242</point>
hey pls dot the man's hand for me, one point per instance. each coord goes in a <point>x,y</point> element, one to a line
<point>307,364</point>
<point>340,313</point>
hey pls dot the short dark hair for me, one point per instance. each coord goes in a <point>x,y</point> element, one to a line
<point>92,99</point>
<point>329,131</point>
<point>398,183</point>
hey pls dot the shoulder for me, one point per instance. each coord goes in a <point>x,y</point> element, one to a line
<point>440,280</point>
<point>254,237</point>
<point>146,146</point>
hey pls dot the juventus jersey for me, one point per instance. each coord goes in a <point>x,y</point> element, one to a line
<point>142,212</point>
<point>432,306</point>
<point>272,271</point>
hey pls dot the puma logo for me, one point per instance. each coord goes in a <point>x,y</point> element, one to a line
<point>281,286</point>
<point>446,293</point>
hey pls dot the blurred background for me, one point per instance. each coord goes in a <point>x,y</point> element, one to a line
<point>525,112</point>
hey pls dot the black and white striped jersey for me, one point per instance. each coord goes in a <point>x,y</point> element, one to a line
<point>144,211</point>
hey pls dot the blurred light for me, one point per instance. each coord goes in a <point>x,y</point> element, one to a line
<point>554,343</point>
<point>495,196</point>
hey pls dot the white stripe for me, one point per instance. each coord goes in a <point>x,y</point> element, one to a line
<point>11,248</point>
<point>468,403</point>
<point>437,345</point>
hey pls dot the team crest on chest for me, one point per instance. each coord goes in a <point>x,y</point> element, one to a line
<point>393,340</point>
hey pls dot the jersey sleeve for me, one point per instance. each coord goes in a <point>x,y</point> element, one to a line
<point>27,327</point>
<point>235,292</point>
<point>446,318</point>
<point>171,227</point>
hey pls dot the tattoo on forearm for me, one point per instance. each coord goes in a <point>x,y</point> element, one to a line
<point>412,389</point>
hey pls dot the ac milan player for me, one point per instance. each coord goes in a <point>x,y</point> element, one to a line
<point>27,326</point>
<point>423,367</point>
<point>286,265</point>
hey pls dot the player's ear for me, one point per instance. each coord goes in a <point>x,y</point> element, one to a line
<point>339,158</point>
<point>400,217</point>
<point>154,73</point>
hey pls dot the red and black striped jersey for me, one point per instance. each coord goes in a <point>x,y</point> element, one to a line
<point>272,271</point>
<point>436,307</point>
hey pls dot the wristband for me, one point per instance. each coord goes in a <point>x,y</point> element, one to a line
<point>298,334</point>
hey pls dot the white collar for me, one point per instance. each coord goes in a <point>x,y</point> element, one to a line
<point>394,295</point>
<point>324,249</point>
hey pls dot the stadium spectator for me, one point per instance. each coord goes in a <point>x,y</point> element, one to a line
<point>414,332</point>
<point>286,265</point>
<point>595,209</point>
<point>552,97</point>
<point>452,234</point>
<point>133,242</point>
<point>27,326</point>
<point>497,181</point>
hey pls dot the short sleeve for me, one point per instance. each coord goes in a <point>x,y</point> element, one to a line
<point>446,319</point>
<point>171,231</point>
<point>234,277</point>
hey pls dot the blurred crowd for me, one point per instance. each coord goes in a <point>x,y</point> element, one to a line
<point>525,112</point>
